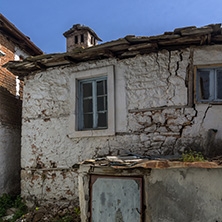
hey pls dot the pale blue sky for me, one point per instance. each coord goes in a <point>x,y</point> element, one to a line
<point>44,21</point>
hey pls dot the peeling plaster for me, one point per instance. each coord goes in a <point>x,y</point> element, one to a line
<point>154,116</point>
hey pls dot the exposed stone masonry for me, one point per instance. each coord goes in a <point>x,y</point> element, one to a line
<point>151,89</point>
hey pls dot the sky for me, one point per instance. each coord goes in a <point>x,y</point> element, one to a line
<point>45,21</point>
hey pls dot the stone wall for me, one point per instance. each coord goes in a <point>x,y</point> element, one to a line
<point>154,114</point>
<point>10,142</point>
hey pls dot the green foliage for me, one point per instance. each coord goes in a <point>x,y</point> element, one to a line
<point>192,156</point>
<point>8,201</point>
<point>77,211</point>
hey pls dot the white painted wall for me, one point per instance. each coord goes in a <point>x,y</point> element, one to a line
<point>18,53</point>
<point>152,117</point>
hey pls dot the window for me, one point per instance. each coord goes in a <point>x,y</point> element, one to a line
<point>209,85</point>
<point>93,103</point>
<point>76,39</point>
<point>92,110</point>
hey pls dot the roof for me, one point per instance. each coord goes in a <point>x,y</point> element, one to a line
<point>118,162</point>
<point>122,48</point>
<point>18,37</point>
<point>79,27</point>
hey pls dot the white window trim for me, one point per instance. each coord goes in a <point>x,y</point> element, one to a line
<point>73,119</point>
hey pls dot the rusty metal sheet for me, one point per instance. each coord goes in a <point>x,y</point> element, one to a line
<point>155,164</point>
<point>116,199</point>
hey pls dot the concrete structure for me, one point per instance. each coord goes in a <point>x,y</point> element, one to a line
<point>80,36</point>
<point>172,191</point>
<point>154,89</point>
<point>14,45</point>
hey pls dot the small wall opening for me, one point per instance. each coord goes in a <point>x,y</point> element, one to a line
<point>76,39</point>
<point>82,38</point>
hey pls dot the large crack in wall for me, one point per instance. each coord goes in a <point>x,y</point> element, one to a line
<point>153,92</point>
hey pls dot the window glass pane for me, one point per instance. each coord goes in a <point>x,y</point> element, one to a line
<point>87,105</point>
<point>102,119</point>
<point>219,84</point>
<point>88,121</point>
<point>100,88</point>
<point>204,83</point>
<point>101,103</point>
<point>87,89</point>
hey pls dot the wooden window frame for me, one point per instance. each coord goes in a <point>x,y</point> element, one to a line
<point>202,67</point>
<point>94,96</point>
<point>74,122</point>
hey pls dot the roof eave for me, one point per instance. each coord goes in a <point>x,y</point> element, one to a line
<point>7,26</point>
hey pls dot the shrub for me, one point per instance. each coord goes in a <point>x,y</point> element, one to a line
<point>192,156</point>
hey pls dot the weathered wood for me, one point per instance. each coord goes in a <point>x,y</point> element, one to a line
<point>70,59</point>
<point>178,30</point>
<point>182,41</point>
<point>156,38</point>
<point>119,48</point>
<point>216,28</point>
<point>197,31</point>
<point>41,66</point>
<point>216,39</point>
<point>109,44</point>
<point>143,46</point>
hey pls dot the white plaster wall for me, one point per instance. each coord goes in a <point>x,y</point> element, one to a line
<point>9,159</point>
<point>152,117</point>
<point>19,52</point>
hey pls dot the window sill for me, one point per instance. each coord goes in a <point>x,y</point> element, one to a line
<point>209,102</point>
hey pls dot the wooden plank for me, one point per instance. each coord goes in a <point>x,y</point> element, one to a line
<point>216,38</point>
<point>197,31</point>
<point>143,46</point>
<point>178,30</point>
<point>188,40</point>
<point>140,39</point>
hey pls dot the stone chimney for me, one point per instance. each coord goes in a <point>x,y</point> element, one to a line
<point>80,36</point>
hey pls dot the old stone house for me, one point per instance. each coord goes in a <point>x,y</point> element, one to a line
<point>14,45</point>
<point>155,95</point>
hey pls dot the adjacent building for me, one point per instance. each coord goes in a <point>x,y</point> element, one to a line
<point>14,46</point>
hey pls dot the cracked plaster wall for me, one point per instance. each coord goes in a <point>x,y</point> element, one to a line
<point>152,117</point>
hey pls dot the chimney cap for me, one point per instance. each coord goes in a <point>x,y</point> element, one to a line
<point>78,27</point>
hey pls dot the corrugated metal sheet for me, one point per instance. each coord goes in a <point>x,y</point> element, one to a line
<point>116,199</point>
<point>124,163</point>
